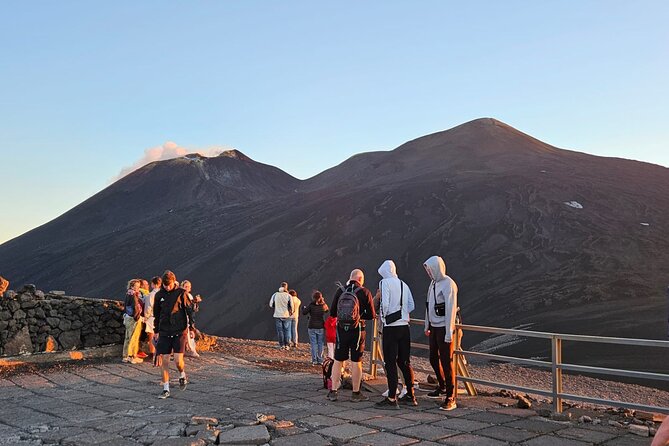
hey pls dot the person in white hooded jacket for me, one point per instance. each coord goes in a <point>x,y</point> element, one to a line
<point>441,307</point>
<point>395,306</point>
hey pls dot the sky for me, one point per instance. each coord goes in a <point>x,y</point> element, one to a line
<point>90,90</point>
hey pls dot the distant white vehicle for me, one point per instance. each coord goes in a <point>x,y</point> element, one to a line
<point>574,204</point>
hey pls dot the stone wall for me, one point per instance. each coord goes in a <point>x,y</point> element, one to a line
<point>32,322</point>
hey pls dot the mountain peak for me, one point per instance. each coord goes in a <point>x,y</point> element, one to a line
<point>234,153</point>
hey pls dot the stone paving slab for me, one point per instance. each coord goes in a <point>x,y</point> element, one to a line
<point>309,439</point>
<point>426,432</point>
<point>345,432</point>
<point>508,434</point>
<point>472,440</point>
<point>383,439</point>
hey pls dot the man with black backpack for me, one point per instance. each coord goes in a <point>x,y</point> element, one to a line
<point>395,306</point>
<point>352,305</point>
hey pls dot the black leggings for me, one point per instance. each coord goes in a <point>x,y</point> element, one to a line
<point>396,353</point>
<point>441,360</point>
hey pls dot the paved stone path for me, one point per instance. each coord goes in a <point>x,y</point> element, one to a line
<point>117,404</point>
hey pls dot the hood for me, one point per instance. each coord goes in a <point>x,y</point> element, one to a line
<point>387,269</point>
<point>437,267</point>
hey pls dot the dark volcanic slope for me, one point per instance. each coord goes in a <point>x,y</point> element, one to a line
<point>488,198</point>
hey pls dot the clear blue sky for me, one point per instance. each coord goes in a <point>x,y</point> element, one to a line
<point>86,87</point>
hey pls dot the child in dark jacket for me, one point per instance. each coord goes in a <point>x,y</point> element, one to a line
<point>316,311</point>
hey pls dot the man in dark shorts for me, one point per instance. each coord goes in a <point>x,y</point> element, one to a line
<point>173,313</point>
<point>351,336</point>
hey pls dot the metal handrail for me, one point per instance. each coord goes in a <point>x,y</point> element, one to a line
<point>556,365</point>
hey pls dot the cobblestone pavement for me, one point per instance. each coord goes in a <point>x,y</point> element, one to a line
<point>117,404</point>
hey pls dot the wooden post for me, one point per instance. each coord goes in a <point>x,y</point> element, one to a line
<point>556,344</point>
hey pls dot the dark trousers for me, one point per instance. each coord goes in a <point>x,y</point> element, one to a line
<point>441,360</point>
<point>396,353</point>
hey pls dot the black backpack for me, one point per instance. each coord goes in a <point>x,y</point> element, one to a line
<point>348,308</point>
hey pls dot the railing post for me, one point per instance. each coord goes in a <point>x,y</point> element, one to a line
<point>375,343</point>
<point>556,355</point>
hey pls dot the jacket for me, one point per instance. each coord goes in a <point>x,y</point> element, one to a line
<point>279,301</point>
<point>295,303</point>
<point>316,314</point>
<point>442,289</point>
<point>364,302</point>
<point>133,302</point>
<point>331,330</point>
<point>173,312</point>
<point>391,293</point>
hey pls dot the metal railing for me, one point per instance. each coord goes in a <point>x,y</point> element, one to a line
<point>556,365</point>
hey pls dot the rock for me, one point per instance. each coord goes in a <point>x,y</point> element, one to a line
<point>523,402</point>
<point>69,340</point>
<point>584,419</point>
<point>210,436</point>
<point>13,305</point>
<point>194,429</point>
<point>64,325</point>
<point>596,421</point>
<point>53,321</point>
<point>113,323</point>
<point>278,424</point>
<point>57,293</point>
<point>245,435</point>
<point>546,413</point>
<point>637,421</point>
<point>641,431</point>
<point>39,294</point>
<point>652,431</point>
<point>19,314</point>
<point>3,325</point>
<point>564,416</point>
<point>261,417</point>
<point>19,344</point>
<point>92,341</point>
<point>51,344</point>
<point>615,423</point>
<point>185,441</point>
<point>27,301</point>
<point>28,288</point>
<point>204,420</point>
<point>5,315</point>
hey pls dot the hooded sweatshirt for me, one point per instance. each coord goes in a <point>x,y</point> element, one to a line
<point>442,289</point>
<point>391,293</point>
<point>279,301</point>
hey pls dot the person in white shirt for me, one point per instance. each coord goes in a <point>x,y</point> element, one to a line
<point>442,304</point>
<point>296,304</point>
<point>279,301</point>
<point>395,306</point>
<point>149,319</point>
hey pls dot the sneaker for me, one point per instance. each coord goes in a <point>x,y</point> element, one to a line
<point>165,394</point>
<point>437,393</point>
<point>449,404</point>
<point>332,395</point>
<point>125,359</point>
<point>183,382</point>
<point>280,347</point>
<point>357,397</point>
<point>136,360</point>
<point>408,400</point>
<point>386,404</point>
<point>142,355</point>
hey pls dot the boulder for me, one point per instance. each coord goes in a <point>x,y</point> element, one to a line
<point>19,344</point>
<point>65,325</point>
<point>19,315</point>
<point>5,315</point>
<point>92,341</point>
<point>53,321</point>
<point>28,288</point>
<point>57,293</point>
<point>13,305</point>
<point>69,340</point>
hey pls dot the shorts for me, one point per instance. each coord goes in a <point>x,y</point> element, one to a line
<point>351,340</point>
<point>171,344</point>
<point>150,321</point>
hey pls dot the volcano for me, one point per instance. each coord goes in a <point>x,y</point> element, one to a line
<point>535,236</point>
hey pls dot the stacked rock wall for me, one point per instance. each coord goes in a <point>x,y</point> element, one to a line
<point>32,322</point>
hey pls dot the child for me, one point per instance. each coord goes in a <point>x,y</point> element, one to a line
<point>331,335</point>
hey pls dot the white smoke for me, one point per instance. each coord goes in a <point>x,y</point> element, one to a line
<point>167,151</point>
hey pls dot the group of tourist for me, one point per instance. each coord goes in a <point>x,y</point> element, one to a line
<point>345,334</point>
<point>165,315</point>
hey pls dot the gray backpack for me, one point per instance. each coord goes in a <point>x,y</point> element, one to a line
<point>348,308</point>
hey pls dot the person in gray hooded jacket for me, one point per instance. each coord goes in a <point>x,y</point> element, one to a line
<point>395,306</point>
<point>441,307</point>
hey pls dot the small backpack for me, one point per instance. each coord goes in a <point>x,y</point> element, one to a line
<point>327,373</point>
<point>348,308</point>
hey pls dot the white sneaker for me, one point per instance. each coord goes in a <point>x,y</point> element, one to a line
<point>136,360</point>
<point>125,359</point>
